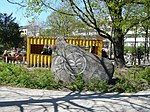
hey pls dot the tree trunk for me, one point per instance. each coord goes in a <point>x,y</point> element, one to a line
<point>146,46</point>
<point>119,49</point>
<point>118,38</point>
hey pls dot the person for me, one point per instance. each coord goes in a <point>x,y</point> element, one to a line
<point>49,50</point>
<point>45,50</point>
<point>13,52</point>
<point>18,53</point>
<point>139,56</point>
<point>4,55</point>
<point>17,56</point>
<point>13,55</point>
<point>104,54</point>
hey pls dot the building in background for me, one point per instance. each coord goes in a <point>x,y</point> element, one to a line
<point>138,37</point>
<point>129,39</point>
<point>29,31</point>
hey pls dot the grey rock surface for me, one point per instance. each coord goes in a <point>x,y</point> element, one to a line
<point>70,60</point>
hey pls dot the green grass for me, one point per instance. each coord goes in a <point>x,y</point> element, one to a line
<point>131,80</point>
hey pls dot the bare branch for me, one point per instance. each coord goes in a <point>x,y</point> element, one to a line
<point>16,3</point>
<point>94,26</point>
<point>104,34</point>
<point>90,12</point>
<point>136,23</point>
<point>87,8</point>
<point>92,16</point>
<point>56,9</point>
<point>90,8</point>
<point>124,2</point>
<point>74,5</point>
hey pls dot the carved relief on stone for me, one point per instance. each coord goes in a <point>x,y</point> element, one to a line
<point>73,63</point>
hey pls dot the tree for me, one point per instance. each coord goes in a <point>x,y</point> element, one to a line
<point>60,24</point>
<point>9,31</point>
<point>63,25</point>
<point>124,15</point>
<point>35,27</point>
<point>145,27</point>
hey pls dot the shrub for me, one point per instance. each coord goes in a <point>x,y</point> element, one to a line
<point>43,78</point>
<point>11,74</point>
<point>145,74</point>
<point>78,83</point>
<point>96,85</point>
<point>15,75</point>
<point>92,85</point>
<point>131,81</point>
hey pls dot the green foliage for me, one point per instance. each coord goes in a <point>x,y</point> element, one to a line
<point>43,78</point>
<point>79,84</point>
<point>131,49</point>
<point>14,75</point>
<point>145,74</point>
<point>128,49</point>
<point>9,31</point>
<point>60,24</point>
<point>123,16</point>
<point>131,80</point>
<point>96,85</point>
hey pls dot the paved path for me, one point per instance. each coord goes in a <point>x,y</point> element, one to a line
<point>35,100</point>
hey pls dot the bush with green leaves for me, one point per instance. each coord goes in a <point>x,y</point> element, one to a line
<point>132,49</point>
<point>15,75</point>
<point>11,74</point>
<point>145,74</point>
<point>96,85</point>
<point>93,84</point>
<point>131,80</point>
<point>77,84</point>
<point>134,80</point>
<point>43,78</point>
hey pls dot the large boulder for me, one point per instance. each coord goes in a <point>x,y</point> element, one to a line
<point>70,60</point>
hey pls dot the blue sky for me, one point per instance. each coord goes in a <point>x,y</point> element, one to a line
<point>8,8</point>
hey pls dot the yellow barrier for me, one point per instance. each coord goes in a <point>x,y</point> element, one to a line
<point>35,46</point>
